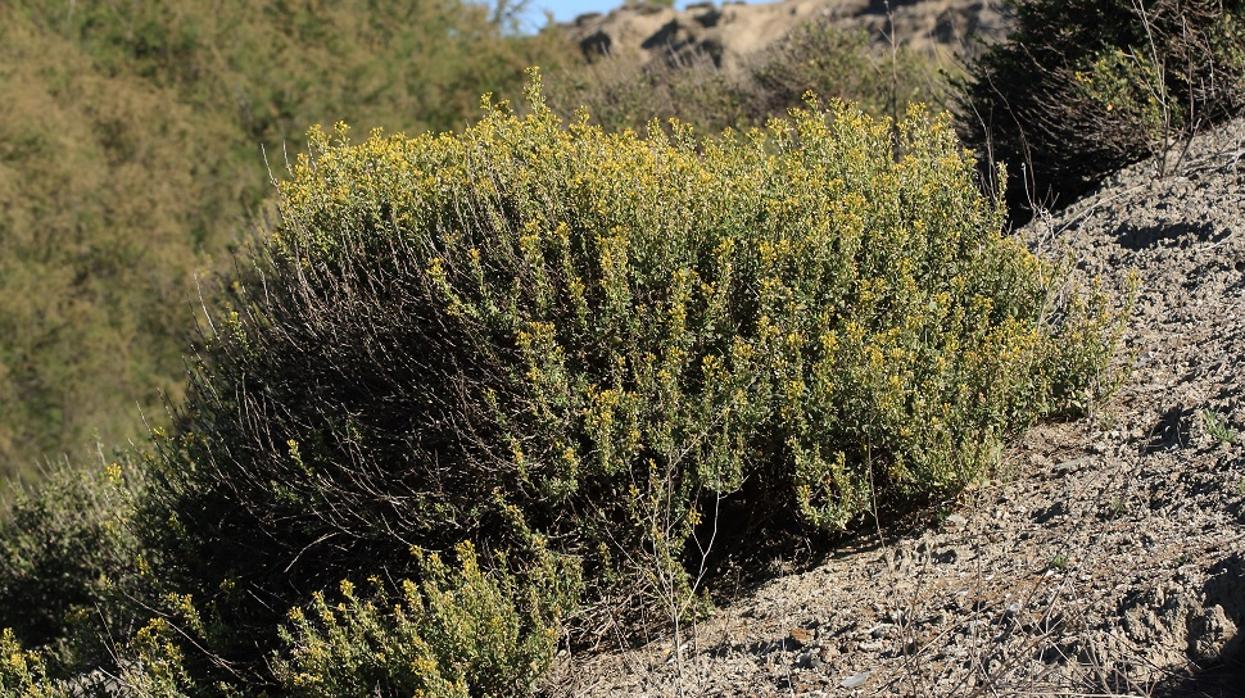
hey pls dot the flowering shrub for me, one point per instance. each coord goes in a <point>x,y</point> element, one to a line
<point>22,672</point>
<point>458,632</point>
<point>573,358</point>
<point>599,336</point>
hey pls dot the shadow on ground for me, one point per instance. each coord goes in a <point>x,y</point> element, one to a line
<point>1224,681</point>
<point>1224,678</point>
<point>1136,238</point>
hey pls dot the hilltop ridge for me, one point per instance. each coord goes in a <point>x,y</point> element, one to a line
<point>734,30</point>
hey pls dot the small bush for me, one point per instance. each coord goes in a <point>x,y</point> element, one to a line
<point>72,559</point>
<point>596,336</point>
<point>153,664</point>
<point>624,94</point>
<point>820,58</point>
<point>458,632</point>
<point>1083,87</point>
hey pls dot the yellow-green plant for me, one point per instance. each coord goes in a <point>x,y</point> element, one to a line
<point>611,335</point>
<point>459,631</point>
<point>22,672</point>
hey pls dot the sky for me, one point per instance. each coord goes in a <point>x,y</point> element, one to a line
<point>566,10</point>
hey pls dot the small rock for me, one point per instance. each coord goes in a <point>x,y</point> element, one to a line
<point>1069,467</point>
<point>808,659</point>
<point>1209,633</point>
<point>799,637</point>
<point>855,680</point>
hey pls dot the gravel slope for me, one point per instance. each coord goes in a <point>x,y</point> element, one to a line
<point>1107,558</point>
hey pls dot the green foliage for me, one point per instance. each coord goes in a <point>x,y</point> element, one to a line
<point>816,57</point>
<point>458,632</point>
<point>1218,427</point>
<point>622,94</point>
<point>1089,337</point>
<point>22,672</point>
<point>572,349</point>
<point>598,335</point>
<point>153,663</point>
<point>130,160</point>
<point>73,558</point>
<point>1083,87</point>
<point>150,666</point>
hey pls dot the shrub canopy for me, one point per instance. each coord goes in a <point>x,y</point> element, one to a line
<point>602,333</point>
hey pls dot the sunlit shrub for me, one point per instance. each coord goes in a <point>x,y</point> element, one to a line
<point>153,663</point>
<point>459,631</point>
<point>22,672</point>
<point>148,665</point>
<point>599,335</point>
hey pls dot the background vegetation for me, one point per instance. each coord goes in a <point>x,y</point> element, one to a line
<point>1083,87</point>
<point>132,140</point>
<point>816,57</point>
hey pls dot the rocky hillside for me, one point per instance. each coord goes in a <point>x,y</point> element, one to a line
<point>1107,558</point>
<point>731,31</point>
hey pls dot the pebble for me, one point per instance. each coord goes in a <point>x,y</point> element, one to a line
<point>808,660</point>
<point>855,680</point>
<point>799,637</point>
